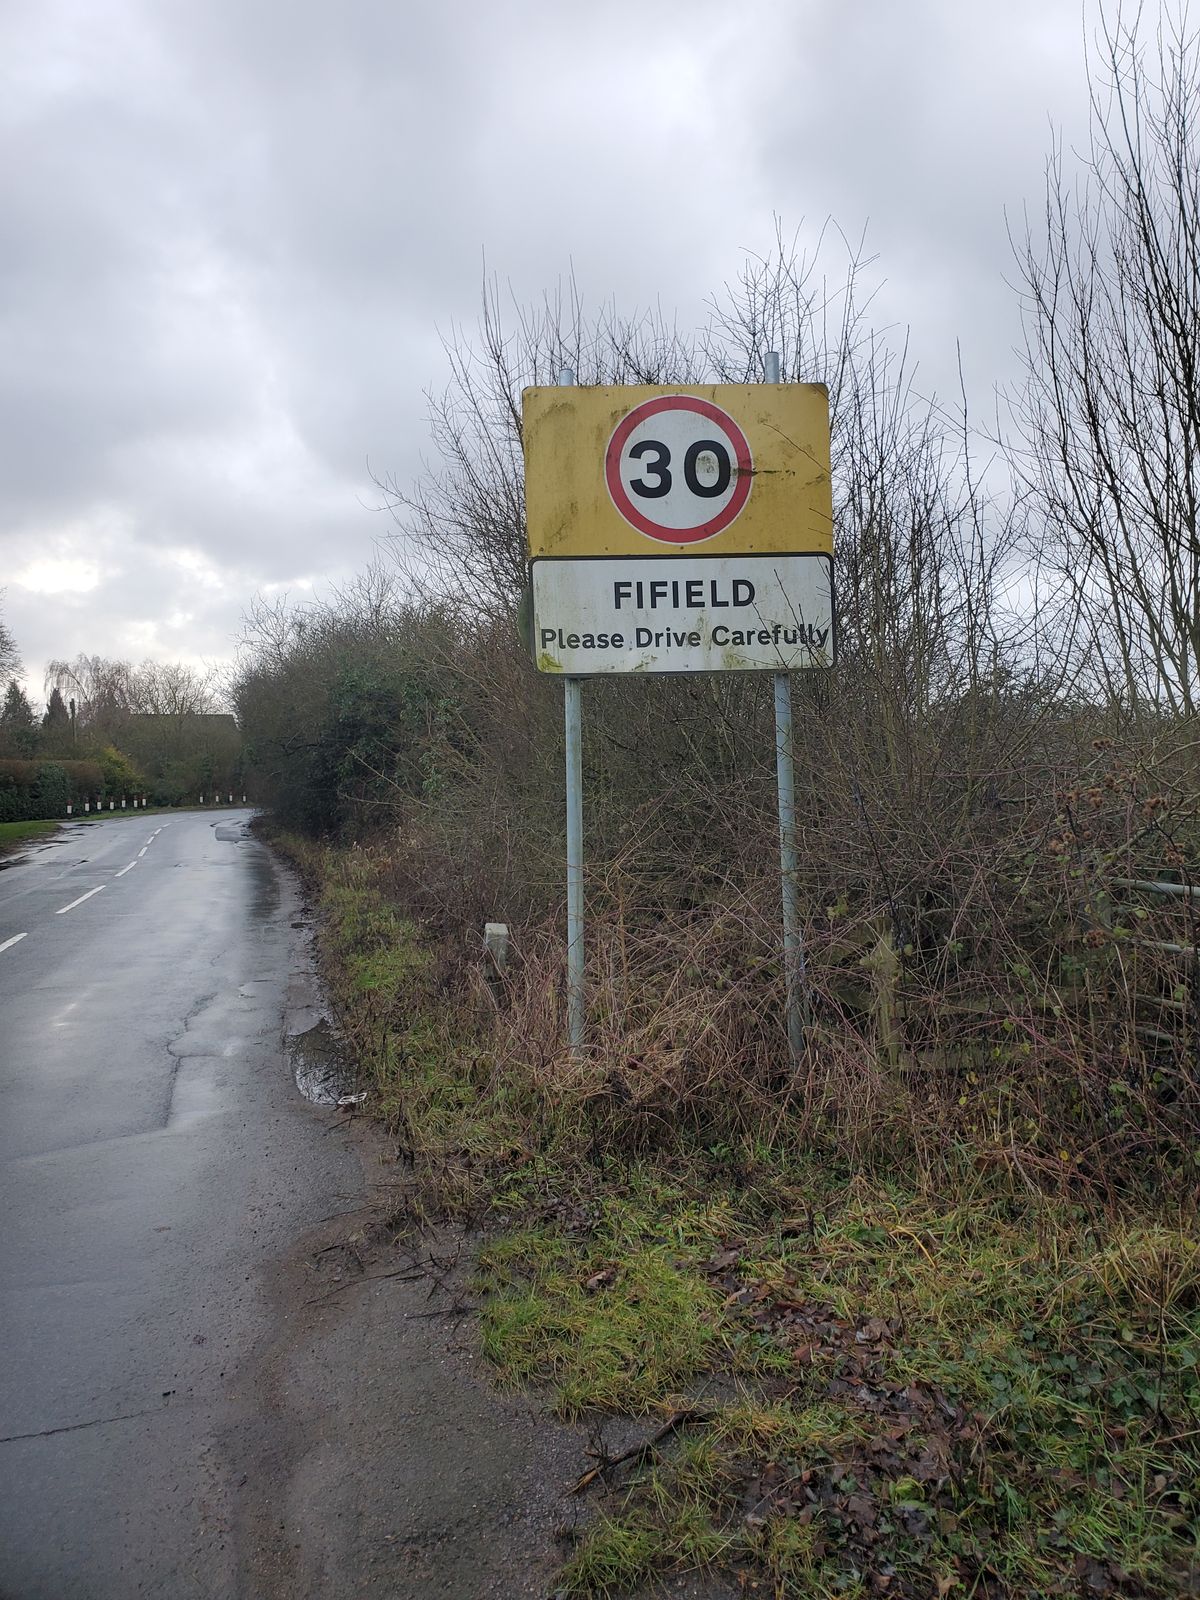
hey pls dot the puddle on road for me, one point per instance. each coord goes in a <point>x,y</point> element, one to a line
<point>322,1073</point>
<point>28,850</point>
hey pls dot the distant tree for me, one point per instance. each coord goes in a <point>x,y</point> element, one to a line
<point>18,725</point>
<point>111,692</point>
<point>16,711</point>
<point>102,689</point>
<point>57,715</point>
<point>56,725</point>
<point>172,689</point>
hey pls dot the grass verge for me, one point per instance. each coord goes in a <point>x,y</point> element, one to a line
<point>14,834</point>
<point>851,1385</point>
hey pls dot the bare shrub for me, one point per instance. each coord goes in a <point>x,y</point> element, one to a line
<point>988,991</point>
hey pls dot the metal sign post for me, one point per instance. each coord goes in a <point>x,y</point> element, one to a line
<point>795,977</point>
<point>573,716</point>
<point>680,530</point>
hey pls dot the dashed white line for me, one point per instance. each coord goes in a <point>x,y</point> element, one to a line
<point>80,901</point>
<point>124,870</point>
<point>8,943</point>
<point>142,851</point>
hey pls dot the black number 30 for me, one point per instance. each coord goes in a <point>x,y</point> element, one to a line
<point>659,468</point>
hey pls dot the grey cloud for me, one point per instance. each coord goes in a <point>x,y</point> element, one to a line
<point>230,231</point>
<point>932,121</point>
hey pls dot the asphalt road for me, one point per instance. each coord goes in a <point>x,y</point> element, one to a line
<point>154,1157</point>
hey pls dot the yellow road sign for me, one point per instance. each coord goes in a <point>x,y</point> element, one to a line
<point>707,470</point>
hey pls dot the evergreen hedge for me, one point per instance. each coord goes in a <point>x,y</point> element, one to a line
<point>30,790</point>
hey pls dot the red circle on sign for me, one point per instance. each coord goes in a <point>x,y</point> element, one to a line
<point>744,469</point>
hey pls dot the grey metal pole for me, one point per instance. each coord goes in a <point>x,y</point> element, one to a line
<point>794,973</point>
<point>573,714</point>
<point>789,862</point>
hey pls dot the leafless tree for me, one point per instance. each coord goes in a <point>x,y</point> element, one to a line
<point>172,689</point>
<point>100,687</point>
<point>1110,409</point>
<point>463,526</point>
<point>10,659</point>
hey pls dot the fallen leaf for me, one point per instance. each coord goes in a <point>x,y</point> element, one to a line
<point>721,1259</point>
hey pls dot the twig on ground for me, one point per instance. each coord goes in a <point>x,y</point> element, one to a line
<point>639,1452</point>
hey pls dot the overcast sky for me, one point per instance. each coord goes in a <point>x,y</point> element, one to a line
<point>232,233</point>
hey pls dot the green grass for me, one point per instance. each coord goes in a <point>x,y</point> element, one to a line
<point>418,1048</point>
<point>775,1555</point>
<point>15,834</point>
<point>968,1392</point>
<point>975,1393</point>
<point>611,1328</point>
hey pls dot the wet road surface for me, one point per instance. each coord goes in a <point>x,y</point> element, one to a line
<point>154,1156</point>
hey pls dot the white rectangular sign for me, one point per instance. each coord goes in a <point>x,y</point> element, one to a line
<point>683,613</point>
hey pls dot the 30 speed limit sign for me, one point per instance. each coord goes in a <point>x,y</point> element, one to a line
<point>679,530</point>
<point>724,469</point>
<point>678,469</point>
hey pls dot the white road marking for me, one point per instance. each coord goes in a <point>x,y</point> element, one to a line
<point>142,851</point>
<point>124,870</point>
<point>80,901</point>
<point>16,939</point>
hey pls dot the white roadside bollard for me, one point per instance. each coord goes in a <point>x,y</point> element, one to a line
<point>495,944</point>
<point>68,808</point>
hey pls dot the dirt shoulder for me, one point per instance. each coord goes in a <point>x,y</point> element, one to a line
<point>370,1447</point>
<point>377,1457</point>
